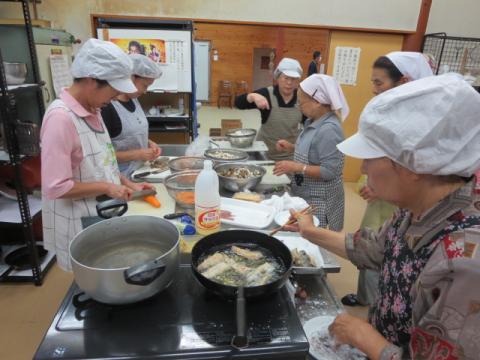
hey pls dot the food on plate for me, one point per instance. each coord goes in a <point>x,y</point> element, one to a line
<point>302,259</point>
<point>239,266</point>
<point>224,155</point>
<point>239,173</point>
<point>185,197</point>
<point>152,200</point>
<point>324,345</point>
<point>247,196</point>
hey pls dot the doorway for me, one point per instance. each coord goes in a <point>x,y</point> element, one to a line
<point>263,66</point>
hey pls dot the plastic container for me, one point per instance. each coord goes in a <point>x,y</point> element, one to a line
<point>185,228</point>
<point>207,200</point>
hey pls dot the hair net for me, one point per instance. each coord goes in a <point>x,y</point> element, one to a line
<point>289,67</point>
<point>413,65</point>
<point>145,67</point>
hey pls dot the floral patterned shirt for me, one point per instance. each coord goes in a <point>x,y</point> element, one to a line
<point>404,250</point>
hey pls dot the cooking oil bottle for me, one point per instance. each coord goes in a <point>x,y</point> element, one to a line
<point>207,200</point>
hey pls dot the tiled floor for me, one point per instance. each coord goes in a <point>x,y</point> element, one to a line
<point>26,311</point>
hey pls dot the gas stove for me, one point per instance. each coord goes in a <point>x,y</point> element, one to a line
<point>182,322</point>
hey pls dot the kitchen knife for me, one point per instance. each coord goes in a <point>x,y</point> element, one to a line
<point>147,173</point>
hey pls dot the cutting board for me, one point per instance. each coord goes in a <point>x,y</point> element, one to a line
<point>140,207</point>
<point>270,179</point>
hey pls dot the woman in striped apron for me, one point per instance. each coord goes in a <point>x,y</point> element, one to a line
<point>317,165</point>
<point>78,160</point>
<point>126,122</point>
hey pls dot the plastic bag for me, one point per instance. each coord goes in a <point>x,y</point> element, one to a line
<point>198,146</point>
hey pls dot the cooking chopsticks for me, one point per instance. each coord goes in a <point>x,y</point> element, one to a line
<point>306,211</point>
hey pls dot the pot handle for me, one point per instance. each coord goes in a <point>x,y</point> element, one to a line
<point>240,340</point>
<point>112,208</point>
<point>144,274</point>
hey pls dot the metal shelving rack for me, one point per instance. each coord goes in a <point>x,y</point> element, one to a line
<point>9,117</point>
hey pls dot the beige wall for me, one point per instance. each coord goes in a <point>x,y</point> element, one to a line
<point>372,45</point>
<point>455,17</point>
<point>74,15</point>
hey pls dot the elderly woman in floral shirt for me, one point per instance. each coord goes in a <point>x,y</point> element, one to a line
<point>420,145</point>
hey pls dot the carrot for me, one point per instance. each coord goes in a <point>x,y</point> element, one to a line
<point>186,197</point>
<point>152,200</point>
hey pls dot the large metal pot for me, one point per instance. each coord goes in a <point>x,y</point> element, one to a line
<point>125,259</point>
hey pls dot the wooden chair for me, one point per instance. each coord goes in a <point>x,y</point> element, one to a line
<point>241,87</point>
<point>225,91</point>
<point>215,132</point>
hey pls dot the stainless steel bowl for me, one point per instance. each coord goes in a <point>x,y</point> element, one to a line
<point>241,138</point>
<point>235,184</point>
<point>15,73</point>
<point>222,155</point>
<point>184,163</point>
<point>182,182</point>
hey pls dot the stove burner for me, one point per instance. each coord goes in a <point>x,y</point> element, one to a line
<point>183,322</point>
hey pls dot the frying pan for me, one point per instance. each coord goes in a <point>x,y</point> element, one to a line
<point>246,239</point>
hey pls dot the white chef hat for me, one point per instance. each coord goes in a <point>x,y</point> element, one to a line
<point>326,90</point>
<point>289,67</point>
<point>145,67</point>
<point>430,126</point>
<point>104,60</point>
<point>413,65</point>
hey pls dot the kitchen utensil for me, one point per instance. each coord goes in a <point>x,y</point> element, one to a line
<point>247,239</point>
<point>241,138</point>
<point>177,215</point>
<point>282,217</point>
<point>307,210</point>
<point>223,155</point>
<point>147,173</point>
<point>15,73</point>
<point>19,258</point>
<point>184,163</point>
<point>181,184</point>
<point>246,214</point>
<point>125,259</point>
<point>237,184</point>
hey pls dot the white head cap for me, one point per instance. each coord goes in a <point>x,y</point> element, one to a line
<point>326,90</point>
<point>413,65</point>
<point>145,67</point>
<point>104,60</point>
<point>430,126</point>
<point>289,67</point>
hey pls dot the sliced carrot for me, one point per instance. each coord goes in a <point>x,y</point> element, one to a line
<point>152,200</point>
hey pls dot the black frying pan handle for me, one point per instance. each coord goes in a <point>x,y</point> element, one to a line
<point>104,207</point>
<point>144,274</point>
<point>240,340</point>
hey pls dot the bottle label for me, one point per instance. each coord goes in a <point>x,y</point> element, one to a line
<point>208,218</point>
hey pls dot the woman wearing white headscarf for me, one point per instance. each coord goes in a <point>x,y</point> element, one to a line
<point>420,148</point>
<point>317,164</point>
<point>281,118</point>
<point>390,71</point>
<point>126,122</point>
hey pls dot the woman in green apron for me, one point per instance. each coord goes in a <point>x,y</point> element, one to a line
<point>281,118</point>
<point>392,70</point>
<point>317,165</point>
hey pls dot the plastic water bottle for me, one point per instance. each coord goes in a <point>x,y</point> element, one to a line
<point>207,200</point>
